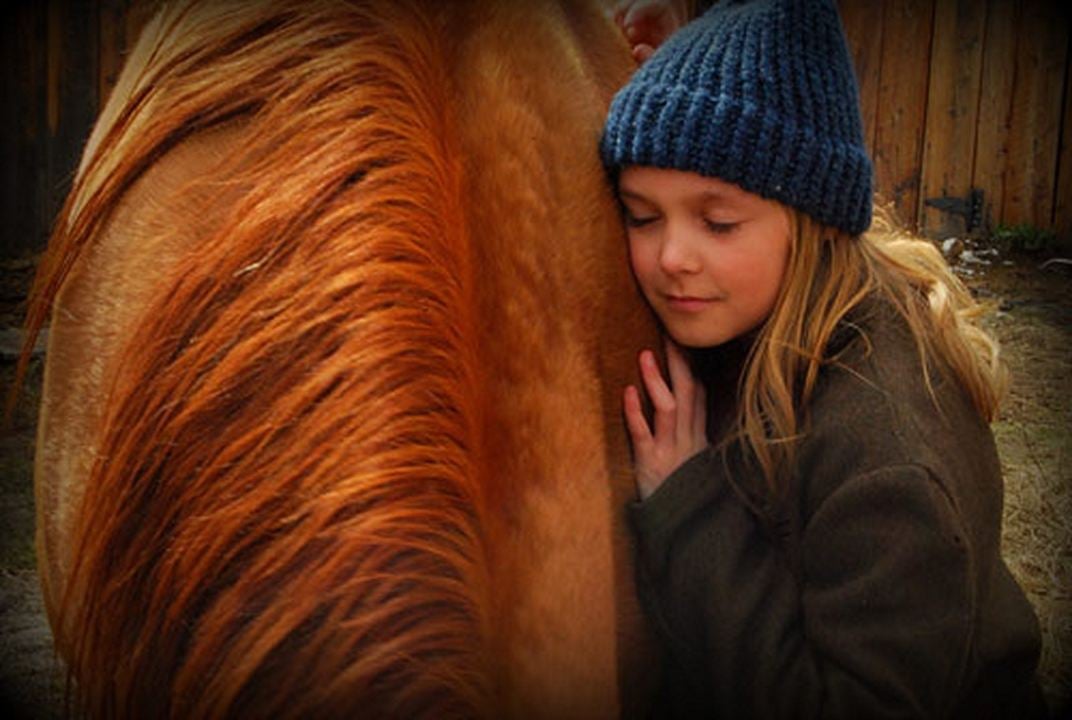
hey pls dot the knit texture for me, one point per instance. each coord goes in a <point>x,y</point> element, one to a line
<point>759,93</point>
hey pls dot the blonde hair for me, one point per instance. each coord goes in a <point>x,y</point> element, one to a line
<point>828,273</point>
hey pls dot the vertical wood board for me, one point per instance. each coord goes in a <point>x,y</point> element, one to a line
<point>72,94</point>
<point>25,138</point>
<point>1035,119</point>
<point>862,20</point>
<point>952,108</point>
<point>995,105</point>
<point>902,103</point>
<point>1062,210</point>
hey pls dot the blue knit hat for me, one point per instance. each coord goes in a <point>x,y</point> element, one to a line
<point>760,93</point>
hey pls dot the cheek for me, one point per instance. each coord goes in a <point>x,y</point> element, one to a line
<point>774,270</point>
<point>758,275</point>
<point>774,285</point>
<point>641,260</point>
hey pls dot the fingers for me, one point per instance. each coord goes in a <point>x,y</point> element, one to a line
<point>645,452</point>
<point>635,421</point>
<point>679,419</point>
<point>661,396</point>
<point>642,52</point>
<point>681,380</point>
<point>690,394</point>
<point>646,24</point>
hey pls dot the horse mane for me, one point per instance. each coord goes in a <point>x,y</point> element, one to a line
<point>232,554</point>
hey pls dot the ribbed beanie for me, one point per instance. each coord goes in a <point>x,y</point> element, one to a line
<point>760,93</point>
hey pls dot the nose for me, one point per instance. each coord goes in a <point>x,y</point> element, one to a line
<point>678,253</point>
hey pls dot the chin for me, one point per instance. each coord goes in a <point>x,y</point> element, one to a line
<point>690,338</point>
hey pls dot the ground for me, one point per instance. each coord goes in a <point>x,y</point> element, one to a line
<point>1031,315</point>
<point>1028,309</point>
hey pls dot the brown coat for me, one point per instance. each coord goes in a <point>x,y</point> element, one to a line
<point>876,588</point>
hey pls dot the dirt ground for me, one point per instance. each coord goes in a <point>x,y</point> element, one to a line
<point>1029,310</point>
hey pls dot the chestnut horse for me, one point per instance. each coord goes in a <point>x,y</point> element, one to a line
<point>340,314</point>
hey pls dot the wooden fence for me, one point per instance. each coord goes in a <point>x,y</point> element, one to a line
<point>60,61</point>
<point>967,95</point>
<point>957,96</point>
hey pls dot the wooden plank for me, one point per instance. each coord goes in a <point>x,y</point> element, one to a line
<point>54,64</point>
<point>902,97</point>
<point>1035,123</point>
<point>995,105</point>
<point>1062,210</point>
<point>862,20</point>
<point>952,111</point>
<point>72,92</point>
<point>22,215</point>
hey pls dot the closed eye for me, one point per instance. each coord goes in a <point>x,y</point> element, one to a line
<point>637,221</point>
<point>720,228</point>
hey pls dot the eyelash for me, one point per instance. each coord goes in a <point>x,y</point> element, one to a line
<point>720,228</point>
<point>637,222</point>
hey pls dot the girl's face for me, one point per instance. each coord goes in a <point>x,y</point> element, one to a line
<point>709,256</point>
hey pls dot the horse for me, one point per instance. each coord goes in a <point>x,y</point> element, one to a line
<point>340,313</point>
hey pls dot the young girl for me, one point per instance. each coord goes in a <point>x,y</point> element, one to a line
<point>822,537</point>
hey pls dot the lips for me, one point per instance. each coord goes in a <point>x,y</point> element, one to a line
<point>689,303</point>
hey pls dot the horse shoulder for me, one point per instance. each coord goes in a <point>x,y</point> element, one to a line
<point>166,211</point>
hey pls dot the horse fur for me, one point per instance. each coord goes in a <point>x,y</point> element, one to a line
<point>341,312</point>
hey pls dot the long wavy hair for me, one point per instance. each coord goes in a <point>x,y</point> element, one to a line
<point>828,274</point>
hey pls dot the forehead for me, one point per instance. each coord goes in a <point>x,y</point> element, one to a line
<point>664,185</point>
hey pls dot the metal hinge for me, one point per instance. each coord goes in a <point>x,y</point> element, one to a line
<point>969,207</point>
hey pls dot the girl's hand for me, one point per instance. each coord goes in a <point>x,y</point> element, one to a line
<point>680,419</point>
<point>647,23</point>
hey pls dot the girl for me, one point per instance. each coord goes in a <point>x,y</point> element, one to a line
<point>823,538</point>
